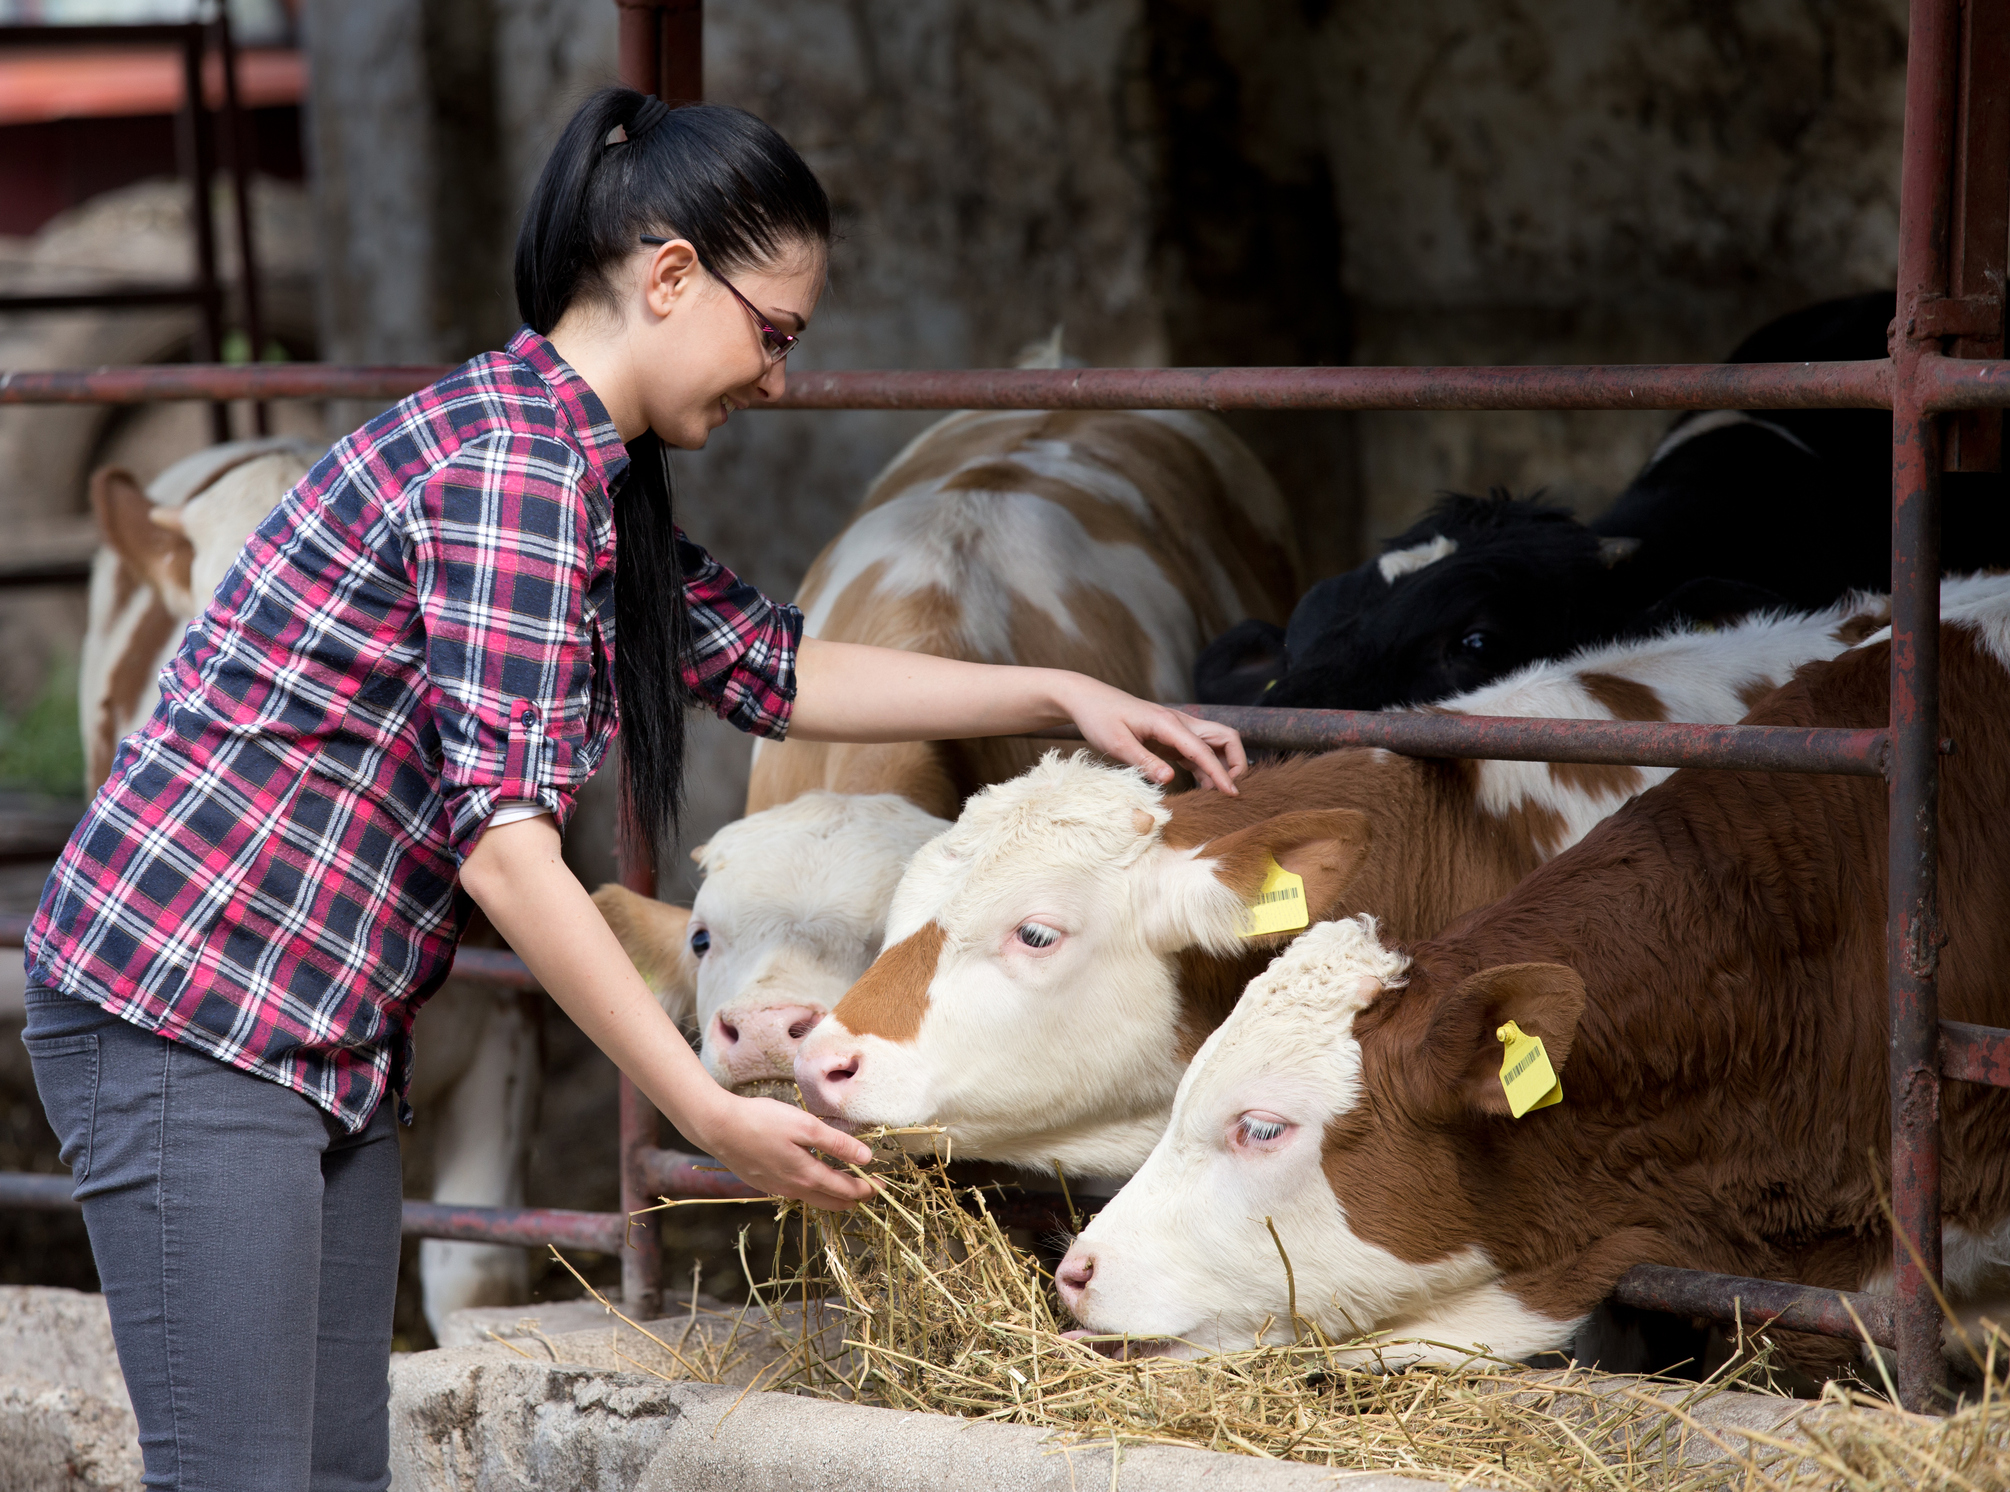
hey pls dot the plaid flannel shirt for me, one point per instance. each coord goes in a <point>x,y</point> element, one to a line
<point>422,629</point>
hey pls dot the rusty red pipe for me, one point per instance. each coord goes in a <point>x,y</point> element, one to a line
<point>1759,1304</point>
<point>1743,748</point>
<point>1975,1054</point>
<point>1912,928</point>
<point>1864,385</point>
<point>603,1232</point>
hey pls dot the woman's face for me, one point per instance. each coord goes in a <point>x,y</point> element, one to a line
<point>698,353</point>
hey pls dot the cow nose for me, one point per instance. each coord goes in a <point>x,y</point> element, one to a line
<point>823,1075</point>
<point>760,1045</point>
<point>1073,1277</point>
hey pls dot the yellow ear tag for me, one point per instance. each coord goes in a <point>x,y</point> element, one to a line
<point>1526,1076</point>
<point>1279,905</point>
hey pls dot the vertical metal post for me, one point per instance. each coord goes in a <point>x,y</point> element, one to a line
<point>194,140</point>
<point>1979,233</point>
<point>1913,929</point>
<point>641,1128</point>
<point>237,131</point>
<point>642,1257</point>
<point>662,48</point>
<point>641,44</point>
<point>661,53</point>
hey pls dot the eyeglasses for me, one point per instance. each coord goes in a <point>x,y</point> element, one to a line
<point>778,344</point>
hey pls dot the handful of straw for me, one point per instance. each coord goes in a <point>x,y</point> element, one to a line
<point>918,1299</point>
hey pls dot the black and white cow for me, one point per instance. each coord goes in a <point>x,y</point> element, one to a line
<point>1735,510</point>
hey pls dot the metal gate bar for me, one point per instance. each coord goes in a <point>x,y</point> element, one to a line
<point>1949,250</point>
<point>197,128</point>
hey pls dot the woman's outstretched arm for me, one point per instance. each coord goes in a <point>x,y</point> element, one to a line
<point>516,876</point>
<point>849,692</point>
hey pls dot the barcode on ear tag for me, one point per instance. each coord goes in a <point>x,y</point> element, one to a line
<point>1279,905</point>
<point>1526,1076</point>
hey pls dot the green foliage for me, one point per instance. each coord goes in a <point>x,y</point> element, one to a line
<point>40,749</point>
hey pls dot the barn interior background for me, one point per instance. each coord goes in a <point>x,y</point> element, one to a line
<point>1169,181</point>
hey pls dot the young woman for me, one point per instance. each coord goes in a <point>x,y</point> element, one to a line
<point>393,700</point>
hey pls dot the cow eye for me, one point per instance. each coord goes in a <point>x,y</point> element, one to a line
<point>701,939</point>
<point>1258,1129</point>
<point>1475,642</point>
<point>1038,935</point>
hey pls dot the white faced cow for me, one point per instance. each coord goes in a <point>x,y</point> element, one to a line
<point>1053,961</point>
<point>1108,543</point>
<point>165,550</point>
<point>1707,971</point>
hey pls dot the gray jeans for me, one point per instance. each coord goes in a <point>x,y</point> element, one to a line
<point>248,1249</point>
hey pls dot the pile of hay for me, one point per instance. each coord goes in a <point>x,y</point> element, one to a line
<point>918,1299</point>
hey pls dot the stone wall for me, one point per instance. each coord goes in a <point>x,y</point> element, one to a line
<point>1571,180</point>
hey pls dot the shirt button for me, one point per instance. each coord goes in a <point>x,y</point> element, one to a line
<point>529,716</point>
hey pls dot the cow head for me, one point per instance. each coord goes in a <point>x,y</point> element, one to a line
<point>1035,994</point>
<point>180,535</point>
<point>791,910</point>
<point>166,548</point>
<point>1478,588</point>
<point>1313,1113</point>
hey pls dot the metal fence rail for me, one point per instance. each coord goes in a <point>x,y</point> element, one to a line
<point>1944,382</point>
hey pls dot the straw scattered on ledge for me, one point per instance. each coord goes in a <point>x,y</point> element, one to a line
<point>919,1299</point>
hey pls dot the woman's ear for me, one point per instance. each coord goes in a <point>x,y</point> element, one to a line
<point>672,272</point>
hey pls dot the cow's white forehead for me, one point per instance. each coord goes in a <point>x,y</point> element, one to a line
<point>1299,1010</point>
<point>819,858</point>
<point>1065,818</point>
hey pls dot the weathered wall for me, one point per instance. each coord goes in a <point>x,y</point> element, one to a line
<point>1576,180</point>
<point>1185,181</point>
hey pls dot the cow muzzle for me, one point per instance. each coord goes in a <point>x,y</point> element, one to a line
<point>827,1069</point>
<point>758,1045</point>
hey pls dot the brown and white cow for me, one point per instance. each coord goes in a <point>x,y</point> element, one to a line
<point>1114,544</point>
<point>1707,970</point>
<point>1055,959</point>
<point>166,548</point>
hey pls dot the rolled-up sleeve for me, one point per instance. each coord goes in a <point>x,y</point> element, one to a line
<point>502,563</point>
<point>742,660</point>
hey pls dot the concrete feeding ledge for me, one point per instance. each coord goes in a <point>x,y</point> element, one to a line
<point>555,1396</point>
<point>487,1418</point>
<point>66,1424</point>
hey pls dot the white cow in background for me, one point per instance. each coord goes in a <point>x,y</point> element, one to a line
<point>165,549</point>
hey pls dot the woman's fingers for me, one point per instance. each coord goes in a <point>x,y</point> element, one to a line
<point>1176,730</point>
<point>836,1143</point>
<point>1225,739</point>
<point>834,1191</point>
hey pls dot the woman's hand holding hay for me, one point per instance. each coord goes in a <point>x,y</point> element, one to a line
<point>516,875</point>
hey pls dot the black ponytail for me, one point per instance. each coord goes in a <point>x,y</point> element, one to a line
<point>626,165</point>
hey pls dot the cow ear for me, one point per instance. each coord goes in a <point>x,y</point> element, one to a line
<point>655,936</point>
<point>1325,847</point>
<point>160,556</point>
<point>1463,1046</point>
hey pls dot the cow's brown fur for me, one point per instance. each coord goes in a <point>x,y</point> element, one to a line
<point>1727,1086</point>
<point>879,1004</point>
<point>1432,856</point>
